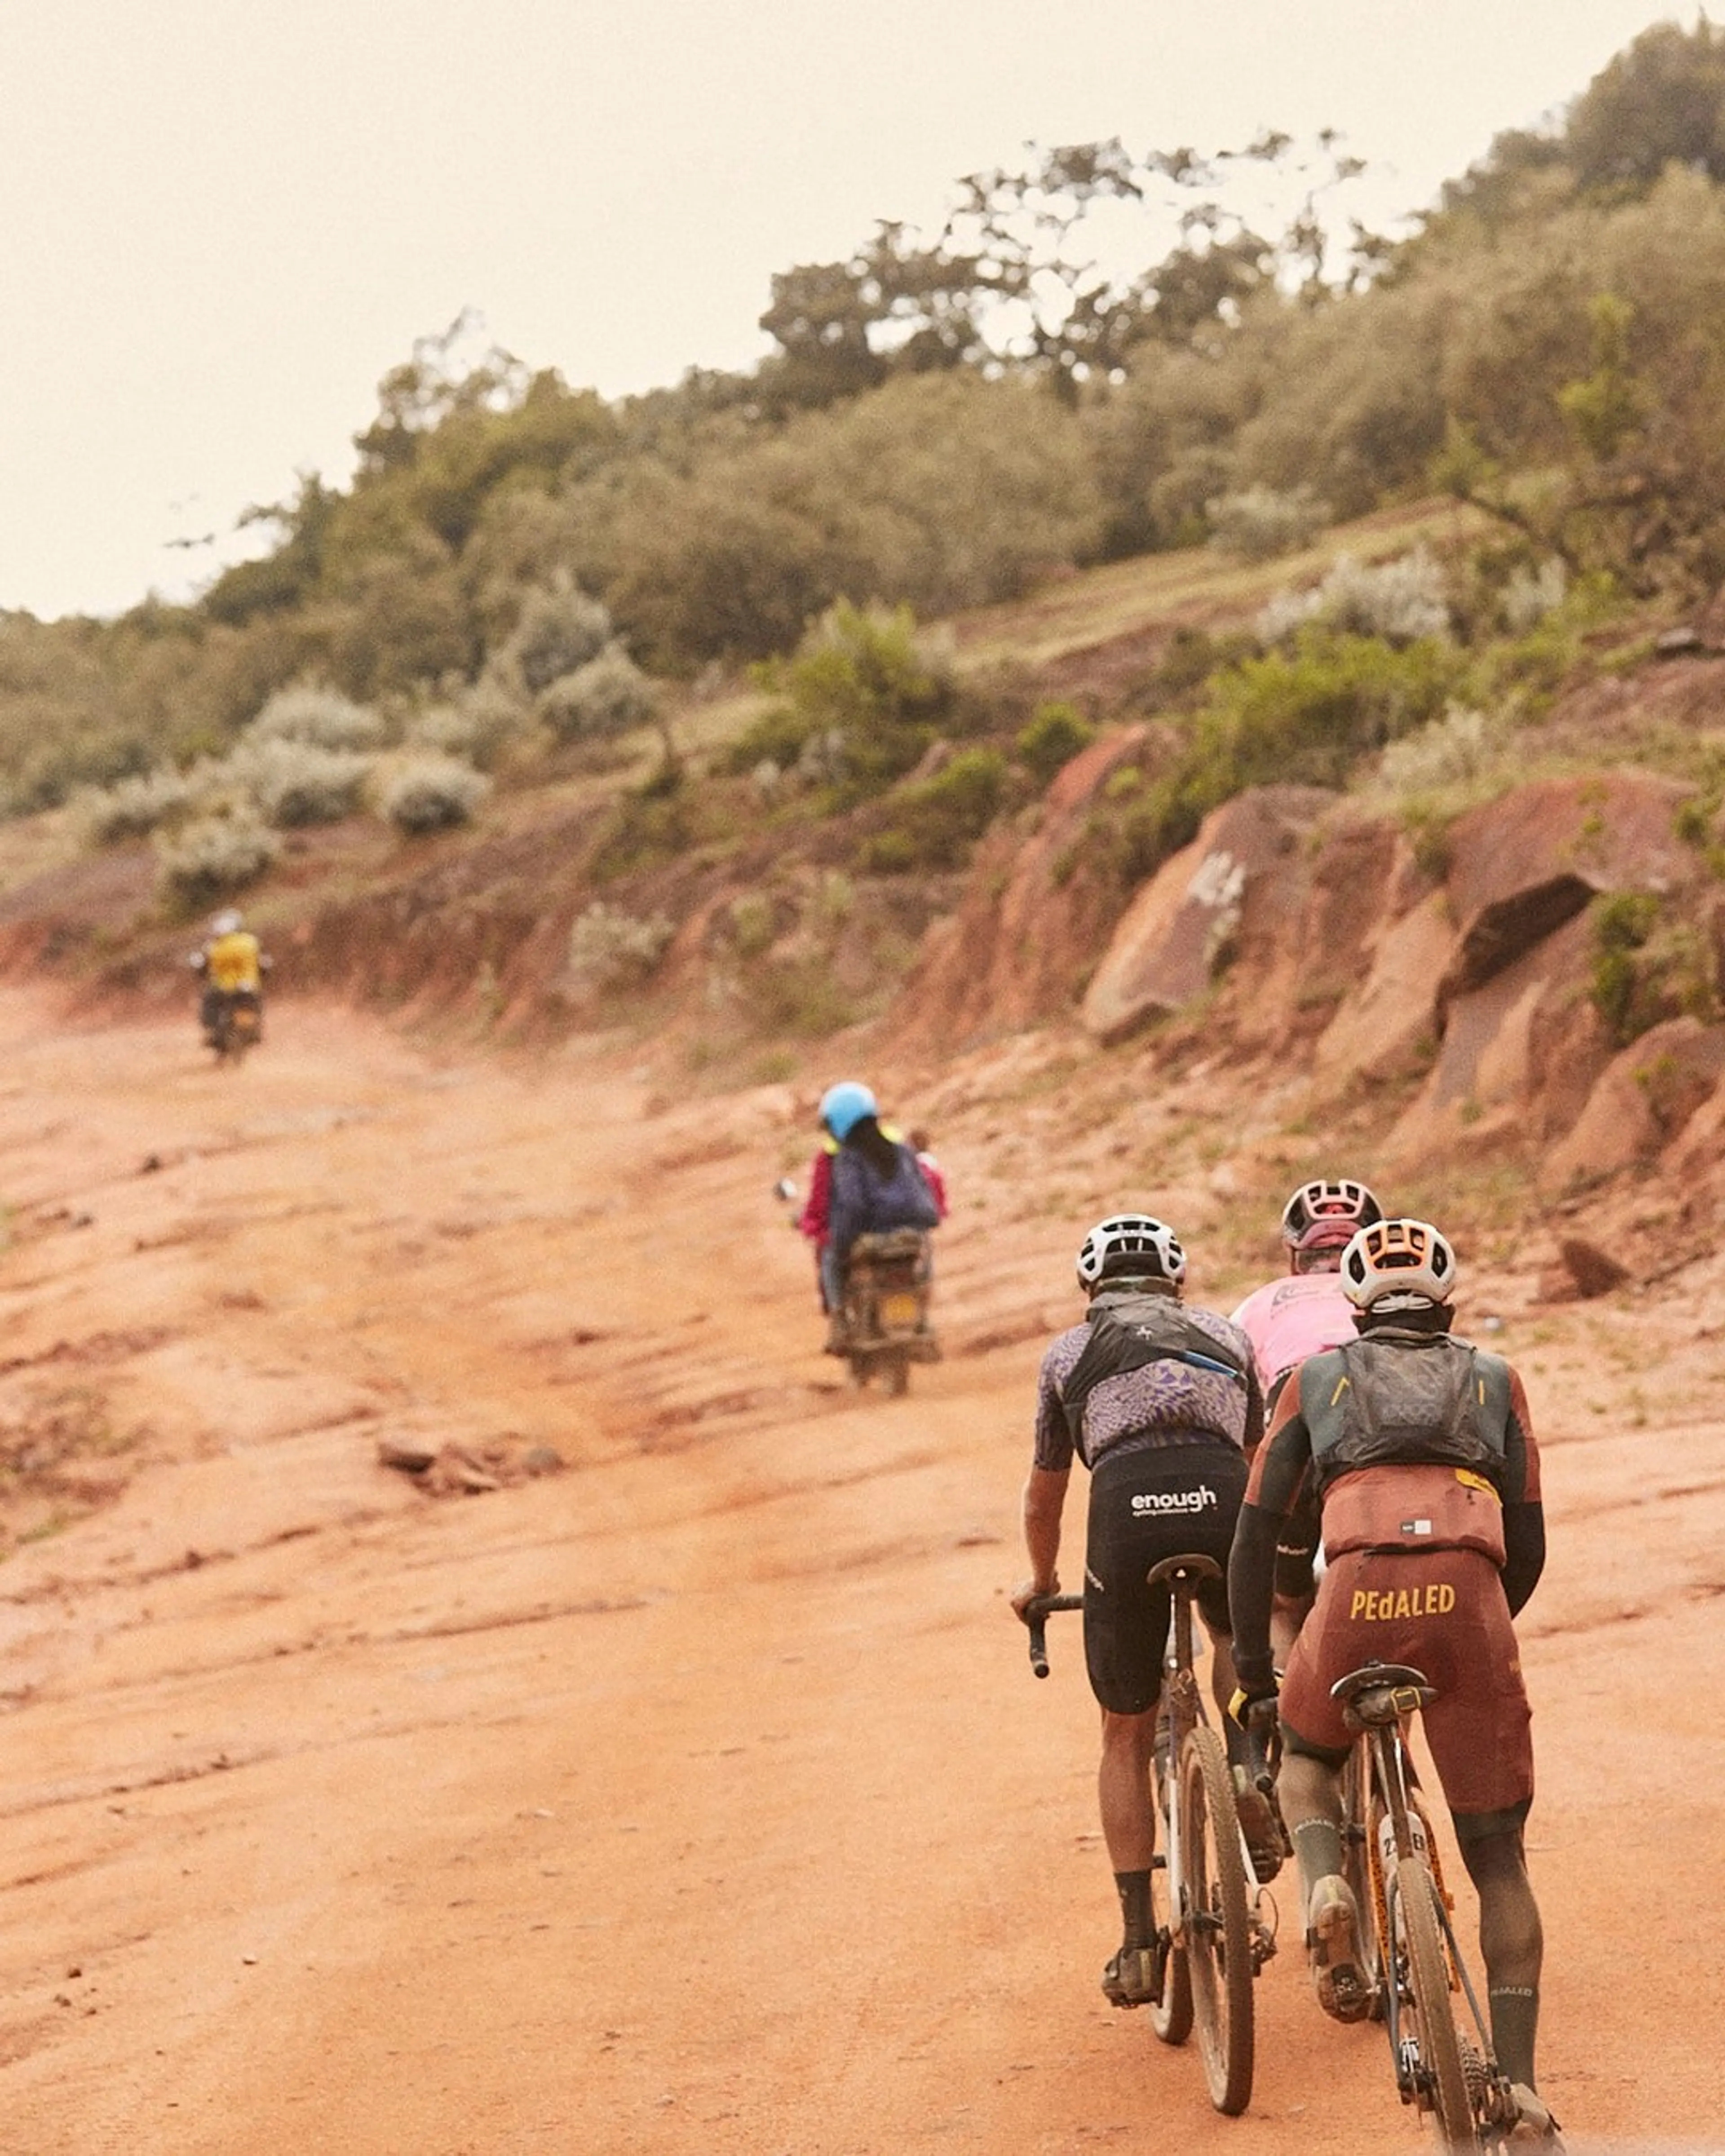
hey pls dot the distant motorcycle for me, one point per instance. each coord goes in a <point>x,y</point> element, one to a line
<point>887,1293</point>
<point>231,1024</point>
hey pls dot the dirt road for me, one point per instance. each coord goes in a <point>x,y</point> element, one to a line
<point>695,1797</point>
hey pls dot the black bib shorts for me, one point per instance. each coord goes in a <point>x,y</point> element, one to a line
<point>1148,1505</point>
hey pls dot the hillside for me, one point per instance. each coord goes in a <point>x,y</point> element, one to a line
<point>618,1777</point>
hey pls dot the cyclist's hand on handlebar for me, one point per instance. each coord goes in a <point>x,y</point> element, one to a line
<point>1254,1702</point>
<point>1030,1590</point>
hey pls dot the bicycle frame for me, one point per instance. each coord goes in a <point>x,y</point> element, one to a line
<point>1453,2073</point>
<point>1216,1937</point>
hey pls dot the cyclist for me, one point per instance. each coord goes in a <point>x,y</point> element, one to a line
<point>875,1186</point>
<point>1286,1321</point>
<point>1161,1402</point>
<point>233,965</point>
<point>1421,1453</point>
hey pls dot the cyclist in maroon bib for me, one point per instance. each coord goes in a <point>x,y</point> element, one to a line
<point>1420,1452</point>
<point>1161,1402</point>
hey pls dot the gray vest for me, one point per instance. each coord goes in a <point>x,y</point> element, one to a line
<point>1397,1398</point>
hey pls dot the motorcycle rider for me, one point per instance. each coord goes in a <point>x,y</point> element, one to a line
<point>1421,1450</point>
<point>1161,1402</point>
<point>875,1186</point>
<point>1288,1319</point>
<point>233,964</point>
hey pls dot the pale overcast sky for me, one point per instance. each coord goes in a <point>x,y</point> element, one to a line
<point>221,221</point>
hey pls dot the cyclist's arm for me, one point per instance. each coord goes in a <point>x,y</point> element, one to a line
<point>1279,1471</point>
<point>1044,1501</point>
<point>1523,1511</point>
<point>1255,1409</point>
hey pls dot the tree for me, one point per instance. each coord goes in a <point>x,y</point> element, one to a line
<point>1660,102</point>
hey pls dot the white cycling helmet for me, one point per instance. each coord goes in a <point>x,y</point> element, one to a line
<point>1130,1243</point>
<point>226,923</point>
<point>1322,1215</point>
<point>1398,1264</point>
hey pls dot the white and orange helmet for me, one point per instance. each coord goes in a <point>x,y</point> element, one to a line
<point>1397,1265</point>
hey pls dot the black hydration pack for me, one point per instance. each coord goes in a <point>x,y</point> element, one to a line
<point>1407,1399</point>
<point>1129,1331</point>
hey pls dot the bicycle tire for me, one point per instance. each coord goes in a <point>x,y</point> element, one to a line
<point>1219,1948</point>
<point>1171,2016</point>
<point>1434,2019</point>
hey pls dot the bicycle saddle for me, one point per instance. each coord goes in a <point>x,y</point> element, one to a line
<point>1196,1568</point>
<point>1381,1692</point>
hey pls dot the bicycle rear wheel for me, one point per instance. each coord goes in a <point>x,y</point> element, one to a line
<point>1443,2075</point>
<point>1219,1941</point>
<point>1363,1813</point>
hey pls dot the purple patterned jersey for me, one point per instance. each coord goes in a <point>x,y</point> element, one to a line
<point>1167,1402</point>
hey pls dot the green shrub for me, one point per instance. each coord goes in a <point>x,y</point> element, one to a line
<point>1646,967</point>
<point>939,818</point>
<point>208,859</point>
<point>865,675</point>
<point>888,853</point>
<point>431,793</point>
<point>1054,735</point>
<point>1299,717</point>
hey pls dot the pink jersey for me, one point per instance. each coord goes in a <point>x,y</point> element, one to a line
<point>1295,1317</point>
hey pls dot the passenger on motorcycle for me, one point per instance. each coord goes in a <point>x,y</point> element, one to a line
<point>233,965</point>
<point>876,1186</point>
<point>1421,1451</point>
<point>1162,1404</point>
<point>1286,1321</point>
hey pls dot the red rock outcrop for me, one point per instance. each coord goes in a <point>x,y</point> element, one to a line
<point>1026,932</point>
<point>1168,948</point>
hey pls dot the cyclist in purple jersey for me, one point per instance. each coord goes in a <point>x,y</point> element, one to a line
<point>1162,1404</point>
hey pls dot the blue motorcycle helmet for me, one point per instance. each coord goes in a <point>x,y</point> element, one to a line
<point>844,1105</point>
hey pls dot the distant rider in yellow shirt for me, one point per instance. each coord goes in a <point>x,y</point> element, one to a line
<point>233,964</point>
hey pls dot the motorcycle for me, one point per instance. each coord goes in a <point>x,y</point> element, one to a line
<point>887,1292</point>
<point>231,1024</point>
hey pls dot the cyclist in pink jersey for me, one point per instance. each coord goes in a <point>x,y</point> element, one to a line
<point>1304,1313</point>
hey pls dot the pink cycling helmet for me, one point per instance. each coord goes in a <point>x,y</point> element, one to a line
<point>1325,1216</point>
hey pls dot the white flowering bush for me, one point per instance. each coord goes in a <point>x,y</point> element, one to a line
<point>430,792</point>
<point>560,628</point>
<point>608,948</point>
<point>1399,601</point>
<point>294,783</point>
<point>607,695</point>
<point>1452,749</point>
<point>1531,594</point>
<point>132,807</point>
<point>321,716</point>
<point>211,856</point>
<point>1259,522</point>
